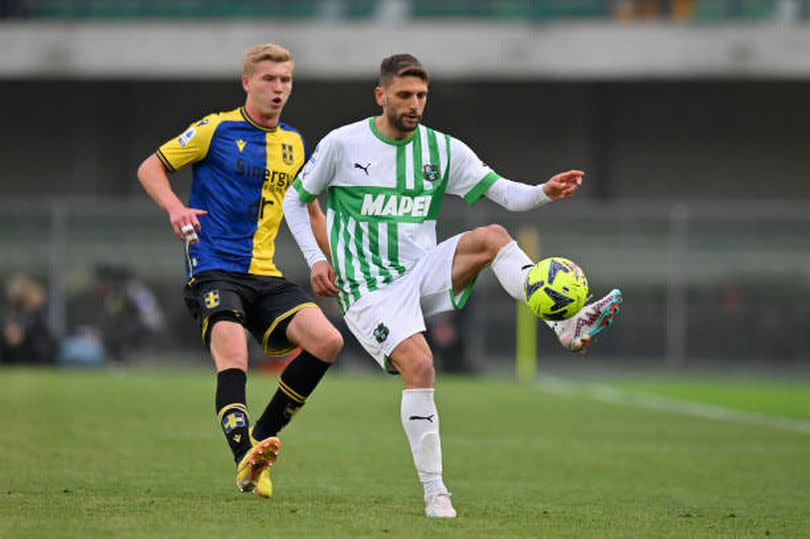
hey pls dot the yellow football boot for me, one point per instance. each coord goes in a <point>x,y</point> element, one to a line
<point>253,471</point>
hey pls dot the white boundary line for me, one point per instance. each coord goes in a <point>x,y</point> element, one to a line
<point>609,394</point>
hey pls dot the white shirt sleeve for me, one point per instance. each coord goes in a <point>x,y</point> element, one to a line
<point>516,196</point>
<point>316,174</point>
<point>471,179</point>
<point>469,176</point>
<point>297,217</point>
<point>313,179</point>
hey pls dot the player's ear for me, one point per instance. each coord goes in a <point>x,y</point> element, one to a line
<point>379,96</point>
<point>245,81</point>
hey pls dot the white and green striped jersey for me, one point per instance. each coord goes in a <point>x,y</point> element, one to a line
<point>383,198</point>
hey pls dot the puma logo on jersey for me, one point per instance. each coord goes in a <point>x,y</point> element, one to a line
<point>363,168</point>
<point>398,205</point>
<point>426,418</point>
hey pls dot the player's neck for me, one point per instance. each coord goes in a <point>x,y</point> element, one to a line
<point>268,122</point>
<point>389,131</point>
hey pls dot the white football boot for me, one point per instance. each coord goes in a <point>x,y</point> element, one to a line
<point>577,333</point>
<point>439,506</point>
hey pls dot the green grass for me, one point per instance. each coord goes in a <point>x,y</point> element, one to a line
<point>138,454</point>
<point>765,397</point>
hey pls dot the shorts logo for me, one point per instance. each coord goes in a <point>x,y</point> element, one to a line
<point>287,154</point>
<point>430,172</point>
<point>381,333</point>
<point>212,299</point>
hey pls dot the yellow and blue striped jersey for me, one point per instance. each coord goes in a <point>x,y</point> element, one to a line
<point>241,172</point>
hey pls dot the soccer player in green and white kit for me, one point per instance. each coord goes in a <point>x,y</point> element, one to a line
<point>385,178</point>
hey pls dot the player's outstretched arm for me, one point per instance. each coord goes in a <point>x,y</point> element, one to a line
<point>153,178</point>
<point>516,196</point>
<point>563,185</point>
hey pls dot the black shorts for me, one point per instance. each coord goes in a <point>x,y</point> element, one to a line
<point>263,305</point>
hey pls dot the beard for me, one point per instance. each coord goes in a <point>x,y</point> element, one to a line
<point>399,123</point>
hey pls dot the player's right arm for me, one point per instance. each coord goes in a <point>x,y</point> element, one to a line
<point>313,179</point>
<point>154,178</point>
<point>189,147</point>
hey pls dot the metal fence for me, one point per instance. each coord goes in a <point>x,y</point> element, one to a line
<point>701,282</point>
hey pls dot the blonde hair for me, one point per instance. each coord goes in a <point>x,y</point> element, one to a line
<point>266,51</point>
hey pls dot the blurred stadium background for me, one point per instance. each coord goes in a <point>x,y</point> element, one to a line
<point>690,117</point>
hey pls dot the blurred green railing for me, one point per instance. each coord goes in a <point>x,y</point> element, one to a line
<point>701,281</point>
<point>712,11</point>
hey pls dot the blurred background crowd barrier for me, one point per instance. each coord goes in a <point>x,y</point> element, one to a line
<point>702,282</point>
<point>539,10</point>
<point>689,116</point>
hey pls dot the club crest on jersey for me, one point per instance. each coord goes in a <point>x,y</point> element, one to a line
<point>212,299</point>
<point>287,154</point>
<point>430,172</point>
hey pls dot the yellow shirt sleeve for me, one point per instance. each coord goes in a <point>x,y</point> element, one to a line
<point>190,146</point>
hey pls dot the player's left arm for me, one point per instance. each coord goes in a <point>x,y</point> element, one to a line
<point>517,196</point>
<point>471,179</point>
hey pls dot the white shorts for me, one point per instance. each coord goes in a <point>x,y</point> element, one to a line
<point>384,318</point>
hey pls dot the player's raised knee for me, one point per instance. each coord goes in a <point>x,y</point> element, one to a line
<point>493,237</point>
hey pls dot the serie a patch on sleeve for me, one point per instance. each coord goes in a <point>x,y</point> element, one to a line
<point>186,137</point>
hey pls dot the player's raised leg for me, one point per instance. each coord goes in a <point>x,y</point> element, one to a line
<point>492,245</point>
<point>320,342</point>
<point>577,333</point>
<point>420,420</point>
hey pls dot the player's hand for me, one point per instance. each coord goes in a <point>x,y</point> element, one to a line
<point>563,185</point>
<point>322,279</point>
<point>185,223</point>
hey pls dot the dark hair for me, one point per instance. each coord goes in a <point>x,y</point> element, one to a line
<point>401,65</point>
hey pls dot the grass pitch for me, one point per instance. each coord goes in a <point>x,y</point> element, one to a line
<point>139,454</point>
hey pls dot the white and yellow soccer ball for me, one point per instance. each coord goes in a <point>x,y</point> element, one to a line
<point>555,288</point>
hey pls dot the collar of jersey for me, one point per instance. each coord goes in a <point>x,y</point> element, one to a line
<point>387,140</point>
<point>254,124</point>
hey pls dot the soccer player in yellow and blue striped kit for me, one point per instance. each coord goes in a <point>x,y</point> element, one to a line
<point>243,162</point>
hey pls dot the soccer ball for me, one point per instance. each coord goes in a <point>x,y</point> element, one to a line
<point>555,289</point>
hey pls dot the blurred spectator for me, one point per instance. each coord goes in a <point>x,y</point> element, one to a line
<point>654,9</point>
<point>131,311</point>
<point>26,335</point>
